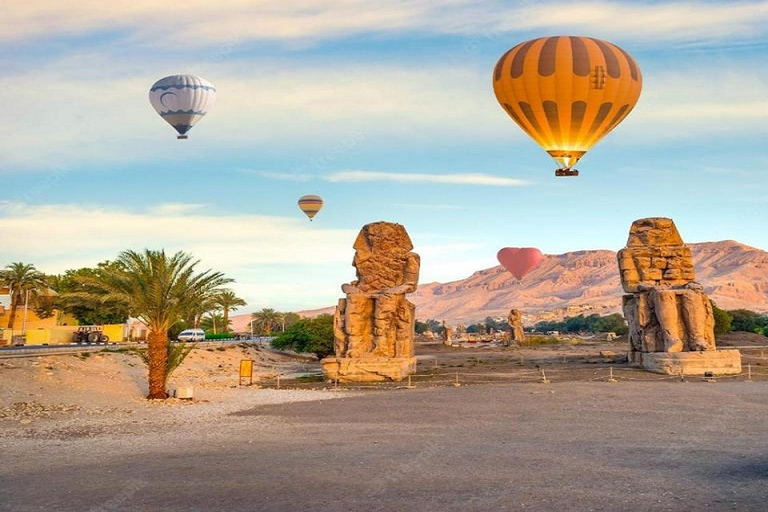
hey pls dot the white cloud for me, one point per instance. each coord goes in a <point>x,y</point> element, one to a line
<point>68,118</point>
<point>652,22</point>
<point>198,22</point>
<point>431,206</point>
<point>451,179</point>
<point>276,262</point>
<point>444,260</point>
<point>695,102</point>
<point>92,108</point>
<point>175,208</point>
<point>261,253</point>
<point>204,23</point>
<point>284,176</point>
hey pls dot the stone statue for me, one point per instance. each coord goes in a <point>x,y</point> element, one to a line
<point>447,335</point>
<point>515,321</point>
<point>374,323</point>
<point>666,310</point>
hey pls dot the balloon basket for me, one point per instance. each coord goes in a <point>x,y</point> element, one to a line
<point>566,172</point>
<point>182,137</point>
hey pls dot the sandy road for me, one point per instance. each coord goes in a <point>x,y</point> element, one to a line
<point>645,446</point>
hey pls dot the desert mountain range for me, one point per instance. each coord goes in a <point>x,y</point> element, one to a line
<point>734,276</point>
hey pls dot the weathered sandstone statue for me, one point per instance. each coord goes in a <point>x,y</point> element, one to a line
<point>447,338</point>
<point>515,321</point>
<point>374,323</point>
<point>666,309</point>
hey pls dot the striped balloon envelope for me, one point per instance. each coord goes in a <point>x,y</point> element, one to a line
<point>310,205</point>
<point>182,100</point>
<point>567,93</point>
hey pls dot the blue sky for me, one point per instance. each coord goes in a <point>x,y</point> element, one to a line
<point>386,110</point>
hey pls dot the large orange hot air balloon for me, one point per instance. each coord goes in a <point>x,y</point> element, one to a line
<point>519,260</point>
<point>567,93</point>
<point>310,205</point>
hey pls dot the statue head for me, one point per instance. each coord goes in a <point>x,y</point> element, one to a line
<point>653,232</point>
<point>381,252</point>
<point>655,255</point>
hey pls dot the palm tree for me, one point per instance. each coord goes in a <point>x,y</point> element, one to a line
<point>227,301</point>
<point>197,309</point>
<point>212,321</point>
<point>267,319</point>
<point>21,279</point>
<point>159,290</point>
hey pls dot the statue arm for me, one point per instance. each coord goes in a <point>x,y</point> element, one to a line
<point>351,287</point>
<point>410,276</point>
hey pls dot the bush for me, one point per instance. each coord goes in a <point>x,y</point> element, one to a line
<point>309,335</point>
<point>592,323</point>
<point>535,340</point>
<point>749,321</point>
<point>219,336</point>
<point>722,320</point>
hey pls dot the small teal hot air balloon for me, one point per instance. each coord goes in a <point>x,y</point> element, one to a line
<point>182,100</point>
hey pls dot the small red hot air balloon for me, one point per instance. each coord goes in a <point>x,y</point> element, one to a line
<point>519,260</point>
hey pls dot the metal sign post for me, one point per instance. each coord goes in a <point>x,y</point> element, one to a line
<point>246,371</point>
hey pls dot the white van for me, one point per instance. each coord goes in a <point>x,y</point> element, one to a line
<point>191,335</point>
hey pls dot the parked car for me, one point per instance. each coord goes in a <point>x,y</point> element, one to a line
<point>191,335</point>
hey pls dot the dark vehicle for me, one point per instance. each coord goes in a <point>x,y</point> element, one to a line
<point>89,334</point>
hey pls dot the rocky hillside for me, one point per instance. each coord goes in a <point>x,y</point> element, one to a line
<point>734,276</point>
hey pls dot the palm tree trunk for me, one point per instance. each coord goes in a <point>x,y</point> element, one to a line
<point>158,359</point>
<point>15,298</point>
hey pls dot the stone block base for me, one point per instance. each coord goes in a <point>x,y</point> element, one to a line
<point>716,362</point>
<point>368,369</point>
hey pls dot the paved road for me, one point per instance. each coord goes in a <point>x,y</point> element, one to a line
<point>628,446</point>
<point>76,348</point>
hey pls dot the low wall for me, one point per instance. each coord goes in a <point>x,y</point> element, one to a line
<point>62,335</point>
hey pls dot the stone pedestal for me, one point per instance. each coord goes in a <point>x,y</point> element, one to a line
<point>368,369</point>
<point>716,362</point>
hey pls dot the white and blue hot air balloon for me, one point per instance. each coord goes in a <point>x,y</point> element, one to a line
<point>182,100</point>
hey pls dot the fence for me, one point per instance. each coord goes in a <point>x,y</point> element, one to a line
<point>431,372</point>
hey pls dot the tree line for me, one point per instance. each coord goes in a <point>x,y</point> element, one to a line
<point>725,321</point>
<point>592,323</point>
<point>160,290</point>
<point>165,292</point>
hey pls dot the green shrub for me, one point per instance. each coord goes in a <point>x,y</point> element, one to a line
<point>309,335</point>
<point>218,336</point>
<point>533,340</point>
<point>723,319</point>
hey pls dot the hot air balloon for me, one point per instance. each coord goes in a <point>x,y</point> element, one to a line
<point>519,260</point>
<point>182,100</point>
<point>567,93</point>
<point>310,205</point>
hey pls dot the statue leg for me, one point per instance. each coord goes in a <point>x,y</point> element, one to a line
<point>357,324</point>
<point>699,320</point>
<point>643,326</point>
<point>339,329</point>
<point>385,325</point>
<point>665,306</point>
<point>406,322</point>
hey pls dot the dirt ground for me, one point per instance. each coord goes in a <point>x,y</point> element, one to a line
<point>566,426</point>
<point>54,385</point>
